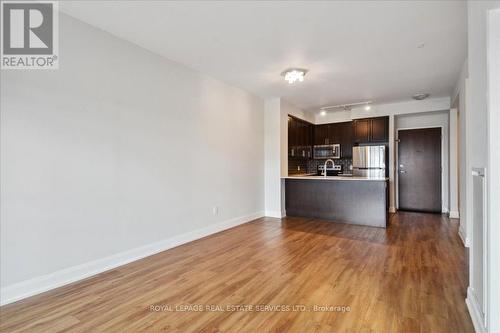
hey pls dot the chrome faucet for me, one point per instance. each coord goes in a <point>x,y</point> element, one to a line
<point>324,167</point>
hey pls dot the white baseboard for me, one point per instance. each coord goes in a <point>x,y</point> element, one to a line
<point>392,209</point>
<point>68,275</point>
<point>273,213</point>
<point>454,214</point>
<point>464,239</point>
<point>474,312</point>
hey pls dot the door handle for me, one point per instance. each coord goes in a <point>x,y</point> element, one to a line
<point>402,171</point>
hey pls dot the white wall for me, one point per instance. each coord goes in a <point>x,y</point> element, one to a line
<point>386,109</point>
<point>273,158</point>
<point>459,98</point>
<point>276,143</point>
<point>477,80</point>
<point>477,115</point>
<point>453,179</point>
<point>493,259</point>
<point>424,120</point>
<point>118,149</point>
<point>392,163</point>
<point>288,108</point>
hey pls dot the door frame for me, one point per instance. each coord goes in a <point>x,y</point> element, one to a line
<point>396,169</point>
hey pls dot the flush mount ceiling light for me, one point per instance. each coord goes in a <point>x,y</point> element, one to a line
<point>420,96</point>
<point>293,75</point>
<point>347,107</point>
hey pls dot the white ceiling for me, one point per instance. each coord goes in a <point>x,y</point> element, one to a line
<point>354,50</point>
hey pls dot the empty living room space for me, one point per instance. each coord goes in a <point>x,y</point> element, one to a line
<point>250,166</point>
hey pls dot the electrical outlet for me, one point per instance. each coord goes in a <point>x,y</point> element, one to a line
<point>215,210</point>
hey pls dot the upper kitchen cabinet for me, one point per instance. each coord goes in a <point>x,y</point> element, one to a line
<point>321,134</point>
<point>327,134</point>
<point>346,139</point>
<point>361,130</point>
<point>379,129</point>
<point>292,132</point>
<point>371,130</point>
<point>299,138</point>
<point>334,133</point>
<point>342,133</point>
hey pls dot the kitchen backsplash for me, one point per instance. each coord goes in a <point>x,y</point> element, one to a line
<point>300,166</point>
<point>297,166</point>
<point>312,165</point>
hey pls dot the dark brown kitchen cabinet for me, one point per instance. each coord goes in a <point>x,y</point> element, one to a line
<point>327,134</point>
<point>361,130</point>
<point>292,132</point>
<point>346,139</point>
<point>300,135</point>
<point>379,129</point>
<point>334,133</point>
<point>321,134</point>
<point>371,130</point>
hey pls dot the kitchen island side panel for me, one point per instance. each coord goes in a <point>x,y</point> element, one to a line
<point>354,202</point>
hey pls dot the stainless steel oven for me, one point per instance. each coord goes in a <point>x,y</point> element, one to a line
<point>326,151</point>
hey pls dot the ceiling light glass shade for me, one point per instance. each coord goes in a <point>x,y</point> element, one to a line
<point>368,108</point>
<point>293,75</point>
<point>420,96</point>
<point>323,113</point>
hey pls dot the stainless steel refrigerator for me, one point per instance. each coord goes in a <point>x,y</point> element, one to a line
<point>368,161</point>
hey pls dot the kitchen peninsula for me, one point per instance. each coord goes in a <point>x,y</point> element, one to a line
<point>355,200</point>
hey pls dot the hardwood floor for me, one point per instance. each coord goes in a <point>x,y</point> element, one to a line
<point>411,277</point>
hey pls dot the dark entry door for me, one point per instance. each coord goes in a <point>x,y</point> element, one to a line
<point>419,168</point>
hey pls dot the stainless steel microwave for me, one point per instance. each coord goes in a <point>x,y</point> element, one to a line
<point>326,151</point>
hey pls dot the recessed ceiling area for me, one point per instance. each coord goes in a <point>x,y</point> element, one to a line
<point>382,51</point>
